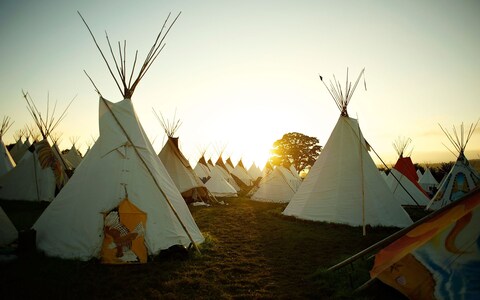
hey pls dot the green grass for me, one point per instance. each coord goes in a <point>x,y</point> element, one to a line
<point>251,251</point>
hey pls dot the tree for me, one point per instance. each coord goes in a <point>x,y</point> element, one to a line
<point>295,149</point>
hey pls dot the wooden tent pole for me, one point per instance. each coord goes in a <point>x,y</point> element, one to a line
<point>364,230</point>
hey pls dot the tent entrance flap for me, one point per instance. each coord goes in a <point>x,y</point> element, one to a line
<point>124,231</point>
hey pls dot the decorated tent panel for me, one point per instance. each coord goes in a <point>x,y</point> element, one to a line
<point>438,258</point>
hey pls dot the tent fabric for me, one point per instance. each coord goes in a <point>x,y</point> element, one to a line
<point>229,165</point>
<point>6,161</point>
<point>8,232</point>
<point>461,179</point>
<point>33,179</point>
<point>278,186</point>
<point>438,258</point>
<point>222,168</point>
<point>182,174</point>
<point>18,150</point>
<point>427,181</point>
<point>344,185</point>
<point>241,173</point>
<point>405,166</point>
<point>419,173</point>
<point>218,186</point>
<point>202,170</point>
<point>254,171</point>
<point>72,225</point>
<point>124,229</point>
<point>404,190</point>
<point>294,171</point>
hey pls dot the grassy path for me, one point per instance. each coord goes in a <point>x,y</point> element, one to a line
<point>251,251</point>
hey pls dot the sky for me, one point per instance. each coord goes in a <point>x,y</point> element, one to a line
<point>241,74</point>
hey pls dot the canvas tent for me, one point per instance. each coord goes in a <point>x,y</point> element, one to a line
<point>73,156</point>
<point>241,175</point>
<point>121,205</point>
<point>201,169</point>
<point>428,181</point>
<point>344,185</point>
<point>254,171</point>
<point>218,186</point>
<point>6,161</point>
<point>404,190</point>
<point>403,179</point>
<point>462,177</point>
<point>18,150</point>
<point>223,169</point>
<point>72,226</point>
<point>36,177</point>
<point>178,167</point>
<point>438,256</point>
<point>278,186</point>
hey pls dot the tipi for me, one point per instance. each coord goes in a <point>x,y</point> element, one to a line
<point>8,232</point>
<point>40,174</point>
<point>254,171</point>
<point>120,205</point>
<point>462,178</point>
<point>241,175</point>
<point>223,169</point>
<point>438,256</point>
<point>278,186</point>
<point>73,155</point>
<point>403,179</point>
<point>178,167</point>
<point>218,186</point>
<point>344,185</point>
<point>19,149</point>
<point>428,181</point>
<point>201,169</point>
<point>6,161</point>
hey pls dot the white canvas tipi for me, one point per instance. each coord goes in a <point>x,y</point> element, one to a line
<point>178,167</point>
<point>18,150</point>
<point>72,225</point>
<point>242,175</point>
<point>402,179</point>
<point>344,185</point>
<point>6,161</point>
<point>218,186</point>
<point>120,196</point>
<point>462,178</point>
<point>201,169</point>
<point>73,156</point>
<point>428,181</point>
<point>35,178</point>
<point>278,186</point>
<point>254,171</point>
<point>223,169</point>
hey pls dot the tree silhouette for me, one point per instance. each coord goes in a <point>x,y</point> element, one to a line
<point>295,149</point>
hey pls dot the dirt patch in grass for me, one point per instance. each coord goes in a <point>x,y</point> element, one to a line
<point>251,251</point>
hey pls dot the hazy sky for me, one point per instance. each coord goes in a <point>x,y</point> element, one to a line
<point>240,74</point>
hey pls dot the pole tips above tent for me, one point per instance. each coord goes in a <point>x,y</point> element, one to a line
<point>125,81</point>
<point>343,96</point>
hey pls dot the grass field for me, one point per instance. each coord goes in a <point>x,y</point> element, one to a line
<point>251,252</point>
